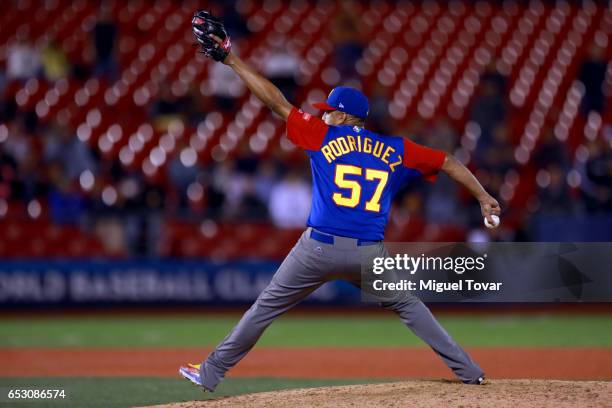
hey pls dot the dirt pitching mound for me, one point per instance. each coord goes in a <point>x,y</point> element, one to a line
<point>440,393</point>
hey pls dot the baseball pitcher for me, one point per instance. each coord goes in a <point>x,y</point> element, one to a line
<point>355,175</point>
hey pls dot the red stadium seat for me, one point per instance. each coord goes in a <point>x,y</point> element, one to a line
<point>428,57</point>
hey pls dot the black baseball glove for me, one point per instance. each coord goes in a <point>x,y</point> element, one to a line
<point>203,25</point>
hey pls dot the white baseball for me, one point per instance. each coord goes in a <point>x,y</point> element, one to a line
<point>495,224</point>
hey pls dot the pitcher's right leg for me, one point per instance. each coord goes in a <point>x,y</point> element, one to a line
<point>301,273</point>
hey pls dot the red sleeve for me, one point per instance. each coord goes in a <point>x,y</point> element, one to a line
<point>423,159</point>
<point>305,130</point>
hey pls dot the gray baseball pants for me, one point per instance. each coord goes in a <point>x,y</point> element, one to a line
<point>310,264</point>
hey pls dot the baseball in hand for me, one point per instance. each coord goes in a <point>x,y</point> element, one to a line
<point>495,224</point>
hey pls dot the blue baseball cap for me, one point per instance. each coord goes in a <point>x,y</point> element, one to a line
<point>347,100</point>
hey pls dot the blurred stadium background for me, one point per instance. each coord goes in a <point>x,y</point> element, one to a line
<point>118,140</point>
<point>135,171</point>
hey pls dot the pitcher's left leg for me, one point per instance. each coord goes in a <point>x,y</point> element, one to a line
<point>419,319</point>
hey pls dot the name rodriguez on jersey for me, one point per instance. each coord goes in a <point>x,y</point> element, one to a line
<point>346,144</point>
<point>432,285</point>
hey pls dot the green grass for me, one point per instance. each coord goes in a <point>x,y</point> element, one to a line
<point>289,331</point>
<point>129,392</point>
<point>300,331</point>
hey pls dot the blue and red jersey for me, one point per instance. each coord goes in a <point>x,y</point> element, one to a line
<point>356,173</point>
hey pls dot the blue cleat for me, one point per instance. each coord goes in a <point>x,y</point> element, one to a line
<point>192,373</point>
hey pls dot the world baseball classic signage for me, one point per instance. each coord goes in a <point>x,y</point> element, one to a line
<point>143,282</point>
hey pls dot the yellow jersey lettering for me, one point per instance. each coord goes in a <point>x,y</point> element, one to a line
<point>344,146</point>
<point>367,145</point>
<point>397,163</point>
<point>385,156</point>
<point>327,153</point>
<point>333,145</point>
<point>351,142</point>
<point>378,147</point>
